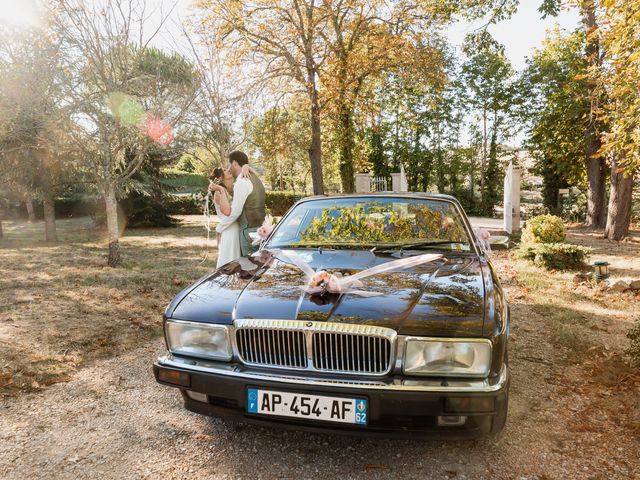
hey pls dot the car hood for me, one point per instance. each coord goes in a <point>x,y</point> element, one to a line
<point>443,297</point>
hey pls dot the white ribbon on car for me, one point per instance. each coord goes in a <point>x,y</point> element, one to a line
<point>322,281</point>
<point>483,236</point>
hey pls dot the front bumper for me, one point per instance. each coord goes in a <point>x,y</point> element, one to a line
<point>397,405</point>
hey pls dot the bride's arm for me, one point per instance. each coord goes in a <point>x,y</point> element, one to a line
<point>247,171</point>
<point>222,203</point>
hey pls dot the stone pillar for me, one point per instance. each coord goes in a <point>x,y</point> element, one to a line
<point>363,183</point>
<point>512,199</point>
<point>515,198</point>
<point>399,181</point>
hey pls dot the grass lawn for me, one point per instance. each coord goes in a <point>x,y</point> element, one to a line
<point>61,306</point>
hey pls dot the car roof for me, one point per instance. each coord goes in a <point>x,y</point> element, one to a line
<point>434,196</point>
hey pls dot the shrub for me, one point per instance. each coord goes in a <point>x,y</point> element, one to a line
<point>187,205</point>
<point>544,229</point>
<point>634,348</point>
<point>278,202</point>
<point>535,209</point>
<point>574,206</point>
<point>555,256</point>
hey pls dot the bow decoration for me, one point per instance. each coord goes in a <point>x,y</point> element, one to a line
<point>321,281</point>
<point>263,231</point>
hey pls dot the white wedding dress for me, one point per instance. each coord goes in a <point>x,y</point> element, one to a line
<point>229,246</point>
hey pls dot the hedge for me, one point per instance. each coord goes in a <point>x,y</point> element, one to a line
<point>80,205</point>
<point>179,179</point>
<point>277,203</point>
<point>555,256</point>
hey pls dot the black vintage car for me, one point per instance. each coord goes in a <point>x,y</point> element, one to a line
<point>374,313</point>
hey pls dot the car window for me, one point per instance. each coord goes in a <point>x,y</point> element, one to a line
<point>353,222</point>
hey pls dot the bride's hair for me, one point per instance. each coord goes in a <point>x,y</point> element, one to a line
<point>217,175</point>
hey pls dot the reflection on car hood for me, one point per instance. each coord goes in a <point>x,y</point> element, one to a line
<point>444,297</point>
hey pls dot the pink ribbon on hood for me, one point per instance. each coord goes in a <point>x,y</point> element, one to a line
<point>322,281</point>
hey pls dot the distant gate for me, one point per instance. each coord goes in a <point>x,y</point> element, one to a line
<point>380,184</point>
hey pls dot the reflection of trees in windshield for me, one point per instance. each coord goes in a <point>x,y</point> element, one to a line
<point>384,223</point>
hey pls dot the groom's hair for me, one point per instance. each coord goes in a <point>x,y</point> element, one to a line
<point>239,157</point>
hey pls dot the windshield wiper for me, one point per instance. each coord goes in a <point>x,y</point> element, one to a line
<point>328,246</point>
<point>420,245</point>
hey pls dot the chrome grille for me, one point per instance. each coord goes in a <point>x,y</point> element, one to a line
<point>350,353</point>
<point>282,348</point>
<point>316,346</point>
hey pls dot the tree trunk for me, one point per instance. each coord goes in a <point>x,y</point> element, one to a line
<point>620,201</point>
<point>596,173</point>
<point>491,182</point>
<point>30,213</point>
<point>483,162</point>
<point>346,134</point>
<point>1,232</point>
<point>113,231</point>
<point>315,151</point>
<point>50,233</point>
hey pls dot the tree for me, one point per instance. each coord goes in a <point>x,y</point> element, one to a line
<point>366,39</point>
<point>223,104</point>
<point>164,84</point>
<point>592,127</point>
<point>292,52</point>
<point>596,169</point>
<point>106,44</point>
<point>486,75</point>
<point>281,142</point>
<point>328,48</point>
<point>621,77</point>
<point>33,117</point>
<point>555,98</point>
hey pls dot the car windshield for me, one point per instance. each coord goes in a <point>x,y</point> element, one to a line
<point>367,222</point>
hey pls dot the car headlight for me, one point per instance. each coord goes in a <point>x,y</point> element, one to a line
<point>198,339</point>
<point>447,357</point>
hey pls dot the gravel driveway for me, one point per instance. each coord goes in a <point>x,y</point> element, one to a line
<point>113,421</point>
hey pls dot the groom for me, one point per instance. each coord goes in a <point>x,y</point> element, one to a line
<point>247,207</point>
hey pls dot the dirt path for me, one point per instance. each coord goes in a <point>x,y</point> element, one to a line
<point>113,421</point>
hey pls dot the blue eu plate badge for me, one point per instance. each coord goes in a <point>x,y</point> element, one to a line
<point>252,405</point>
<point>361,412</point>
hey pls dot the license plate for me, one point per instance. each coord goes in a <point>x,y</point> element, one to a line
<point>303,405</point>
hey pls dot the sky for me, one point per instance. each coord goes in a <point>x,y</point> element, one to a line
<point>520,34</point>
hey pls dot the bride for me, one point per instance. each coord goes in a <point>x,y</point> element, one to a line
<point>229,239</point>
